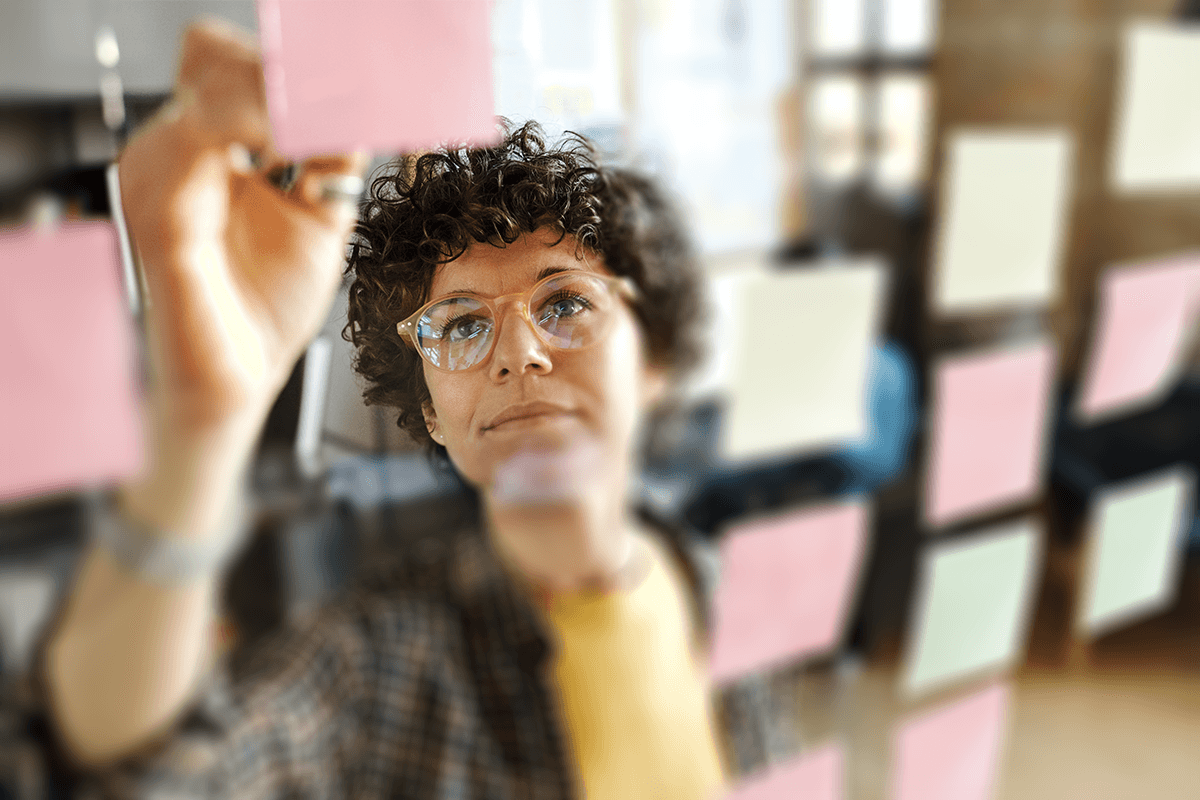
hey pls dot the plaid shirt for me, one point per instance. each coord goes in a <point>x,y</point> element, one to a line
<point>429,681</point>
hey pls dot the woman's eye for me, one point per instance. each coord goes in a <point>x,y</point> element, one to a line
<point>558,308</point>
<point>567,308</point>
<point>463,328</point>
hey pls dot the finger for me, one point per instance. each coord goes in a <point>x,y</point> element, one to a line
<point>220,80</point>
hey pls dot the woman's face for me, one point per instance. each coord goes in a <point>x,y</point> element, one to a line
<point>526,392</point>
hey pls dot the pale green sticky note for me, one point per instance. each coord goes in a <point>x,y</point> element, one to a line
<point>972,606</point>
<point>1136,550</point>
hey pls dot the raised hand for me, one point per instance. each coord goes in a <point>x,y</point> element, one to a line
<point>240,274</point>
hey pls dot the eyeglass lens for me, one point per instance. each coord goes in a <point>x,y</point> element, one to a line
<point>568,312</point>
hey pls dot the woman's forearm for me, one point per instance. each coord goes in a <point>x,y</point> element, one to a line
<point>128,654</point>
<point>239,276</point>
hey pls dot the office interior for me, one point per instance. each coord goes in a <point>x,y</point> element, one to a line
<point>851,121</point>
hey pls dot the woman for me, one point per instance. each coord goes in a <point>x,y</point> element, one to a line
<point>525,311</point>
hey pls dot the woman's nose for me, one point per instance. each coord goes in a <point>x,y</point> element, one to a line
<point>518,348</point>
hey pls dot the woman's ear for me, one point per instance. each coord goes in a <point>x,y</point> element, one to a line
<point>431,422</point>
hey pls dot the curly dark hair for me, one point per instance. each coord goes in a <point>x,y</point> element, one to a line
<point>426,210</point>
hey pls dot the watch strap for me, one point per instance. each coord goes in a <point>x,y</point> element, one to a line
<point>162,558</point>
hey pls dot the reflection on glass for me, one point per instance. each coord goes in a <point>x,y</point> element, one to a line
<point>556,61</point>
<point>908,26</point>
<point>903,132</point>
<point>563,45</point>
<point>838,27</point>
<point>836,114</point>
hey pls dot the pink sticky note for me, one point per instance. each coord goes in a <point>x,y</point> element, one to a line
<point>953,752</point>
<point>1143,322</point>
<point>813,776</point>
<point>989,431</point>
<point>384,75</point>
<point>785,587</point>
<point>69,412</point>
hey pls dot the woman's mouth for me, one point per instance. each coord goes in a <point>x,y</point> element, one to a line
<point>525,416</point>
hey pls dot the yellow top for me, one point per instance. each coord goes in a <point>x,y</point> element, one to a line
<point>634,698</point>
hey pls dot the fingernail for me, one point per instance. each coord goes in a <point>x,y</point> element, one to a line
<point>240,159</point>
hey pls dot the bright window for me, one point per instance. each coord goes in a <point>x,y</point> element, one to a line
<point>903,132</point>
<point>838,27</point>
<point>836,114</point>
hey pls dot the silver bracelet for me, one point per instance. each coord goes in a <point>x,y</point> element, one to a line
<point>163,559</point>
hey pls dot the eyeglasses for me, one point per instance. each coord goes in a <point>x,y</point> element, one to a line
<point>567,310</point>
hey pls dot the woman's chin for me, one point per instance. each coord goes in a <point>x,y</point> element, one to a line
<point>541,470</point>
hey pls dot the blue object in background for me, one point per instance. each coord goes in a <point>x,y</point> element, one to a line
<point>892,414</point>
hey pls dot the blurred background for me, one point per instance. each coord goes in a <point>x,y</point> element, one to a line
<point>970,232</point>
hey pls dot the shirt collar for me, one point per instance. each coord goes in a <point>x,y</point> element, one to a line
<point>486,593</point>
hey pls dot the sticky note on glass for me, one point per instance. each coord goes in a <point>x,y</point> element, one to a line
<point>799,373</point>
<point>954,751</point>
<point>1156,137</point>
<point>972,606</point>
<point>817,775</point>
<point>713,376</point>
<point>1135,550</point>
<point>69,409</point>
<point>1003,220</point>
<point>382,75</point>
<point>785,589</point>
<point>988,433</point>
<point>1144,321</point>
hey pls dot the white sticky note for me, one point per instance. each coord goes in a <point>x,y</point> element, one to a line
<point>713,376</point>
<point>1156,134</point>
<point>801,365</point>
<point>1135,553</point>
<point>972,606</point>
<point>1003,219</point>
<point>1145,318</point>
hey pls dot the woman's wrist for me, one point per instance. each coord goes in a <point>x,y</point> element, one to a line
<point>162,556</point>
<point>191,474</point>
